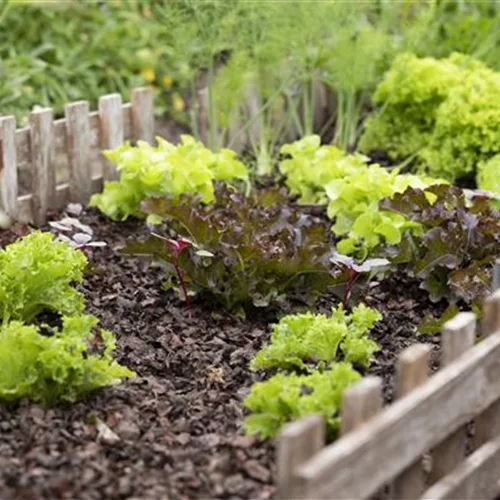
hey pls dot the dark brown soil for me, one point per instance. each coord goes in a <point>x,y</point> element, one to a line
<point>180,421</point>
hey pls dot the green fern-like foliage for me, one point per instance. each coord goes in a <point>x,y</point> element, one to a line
<point>301,339</point>
<point>445,112</point>
<point>57,368</point>
<point>283,398</point>
<point>173,170</point>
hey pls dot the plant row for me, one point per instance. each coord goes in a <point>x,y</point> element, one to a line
<point>244,248</point>
<point>265,66</point>
<point>51,351</point>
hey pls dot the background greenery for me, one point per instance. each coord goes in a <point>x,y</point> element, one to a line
<point>265,64</point>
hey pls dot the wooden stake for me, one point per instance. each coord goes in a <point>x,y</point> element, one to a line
<point>143,122</point>
<point>360,402</point>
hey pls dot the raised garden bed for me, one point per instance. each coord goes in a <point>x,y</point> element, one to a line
<point>176,430</point>
<point>179,422</point>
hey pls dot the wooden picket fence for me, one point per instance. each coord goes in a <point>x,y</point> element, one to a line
<point>415,448</point>
<point>74,143</point>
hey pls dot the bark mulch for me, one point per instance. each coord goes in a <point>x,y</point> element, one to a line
<point>180,421</point>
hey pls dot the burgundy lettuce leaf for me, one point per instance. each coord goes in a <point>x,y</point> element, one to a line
<point>461,238</point>
<point>246,251</point>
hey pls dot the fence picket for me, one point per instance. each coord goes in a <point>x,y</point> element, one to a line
<point>488,422</point>
<point>111,116</point>
<point>297,442</point>
<point>42,166</point>
<point>143,114</point>
<point>360,402</point>
<point>78,149</point>
<point>458,336</point>
<point>8,166</point>
<point>412,370</point>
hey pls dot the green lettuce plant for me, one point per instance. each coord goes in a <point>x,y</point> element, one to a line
<point>312,166</point>
<point>445,113</point>
<point>300,339</point>
<point>284,398</point>
<point>62,367</point>
<point>38,273</point>
<point>167,169</point>
<point>354,204</point>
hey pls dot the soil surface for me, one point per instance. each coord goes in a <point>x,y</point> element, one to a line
<point>179,422</point>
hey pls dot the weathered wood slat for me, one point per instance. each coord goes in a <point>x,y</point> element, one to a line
<point>495,283</point>
<point>351,468</point>
<point>127,121</point>
<point>488,422</point>
<point>143,115</point>
<point>475,478</point>
<point>111,115</point>
<point>297,442</point>
<point>360,402</point>
<point>23,149</point>
<point>42,166</point>
<point>78,147</point>
<point>8,166</point>
<point>412,370</point>
<point>457,337</point>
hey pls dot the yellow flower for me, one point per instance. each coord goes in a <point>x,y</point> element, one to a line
<point>148,74</point>
<point>178,102</point>
<point>167,81</point>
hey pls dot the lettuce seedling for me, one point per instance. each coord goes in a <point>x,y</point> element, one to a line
<point>176,248</point>
<point>311,166</point>
<point>62,367</point>
<point>352,271</point>
<point>245,251</point>
<point>300,341</point>
<point>37,273</point>
<point>167,169</point>
<point>284,398</point>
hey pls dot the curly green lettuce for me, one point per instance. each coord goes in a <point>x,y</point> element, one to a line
<point>38,273</point>
<point>284,398</point>
<point>164,170</point>
<point>62,367</point>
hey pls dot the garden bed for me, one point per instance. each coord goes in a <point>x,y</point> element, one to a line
<point>179,422</point>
